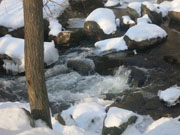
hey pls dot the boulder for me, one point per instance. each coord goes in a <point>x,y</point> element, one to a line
<point>3,31</point>
<point>93,31</point>
<point>82,66</point>
<point>155,16</point>
<point>133,13</point>
<point>68,37</point>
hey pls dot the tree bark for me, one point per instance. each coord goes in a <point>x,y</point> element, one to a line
<point>34,60</point>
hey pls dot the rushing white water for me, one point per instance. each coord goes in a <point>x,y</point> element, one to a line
<point>74,87</point>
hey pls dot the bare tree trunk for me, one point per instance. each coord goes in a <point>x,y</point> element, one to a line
<point>34,60</point>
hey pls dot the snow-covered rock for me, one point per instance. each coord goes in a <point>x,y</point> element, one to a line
<point>112,3</point>
<point>153,12</point>
<point>117,44</point>
<point>117,120</point>
<point>14,48</point>
<point>144,35</point>
<point>105,18</point>
<point>134,9</point>
<point>170,96</point>
<point>127,20</point>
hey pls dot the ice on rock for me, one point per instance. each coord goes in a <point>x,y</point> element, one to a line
<point>105,18</point>
<point>170,96</point>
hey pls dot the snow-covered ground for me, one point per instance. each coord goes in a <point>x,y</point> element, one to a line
<point>85,118</point>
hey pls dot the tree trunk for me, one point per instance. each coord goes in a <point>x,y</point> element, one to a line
<point>34,60</point>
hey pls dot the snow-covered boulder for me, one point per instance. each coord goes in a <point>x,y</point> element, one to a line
<point>171,95</point>
<point>84,66</point>
<point>117,44</point>
<point>174,10</point>
<point>14,48</point>
<point>144,35</point>
<point>152,11</point>
<point>134,9</point>
<point>15,118</point>
<point>100,22</point>
<point>117,120</point>
<point>88,116</point>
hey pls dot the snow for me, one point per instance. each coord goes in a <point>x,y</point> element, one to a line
<point>145,31</point>
<point>12,16</point>
<point>105,18</point>
<point>111,3</point>
<point>170,95</point>
<point>144,19</point>
<point>117,116</point>
<point>171,6</point>
<point>136,6</point>
<point>117,44</point>
<point>55,27</point>
<point>164,126</point>
<point>88,116</point>
<point>151,6</point>
<point>14,48</point>
<point>127,20</point>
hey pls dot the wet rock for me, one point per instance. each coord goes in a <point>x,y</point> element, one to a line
<point>106,66</point>
<point>155,17</point>
<point>93,31</point>
<point>82,66</point>
<point>65,38</point>
<point>172,60</point>
<point>3,31</point>
<point>152,106</point>
<point>137,77</point>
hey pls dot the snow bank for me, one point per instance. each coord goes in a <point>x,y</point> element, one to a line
<point>164,126</point>
<point>88,116</point>
<point>136,6</point>
<point>144,19</point>
<point>12,16</point>
<point>170,96</point>
<point>145,31</point>
<point>117,116</point>
<point>117,44</point>
<point>14,48</point>
<point>171,6</point>
<point>111,3</point>
<point>105,18</point>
